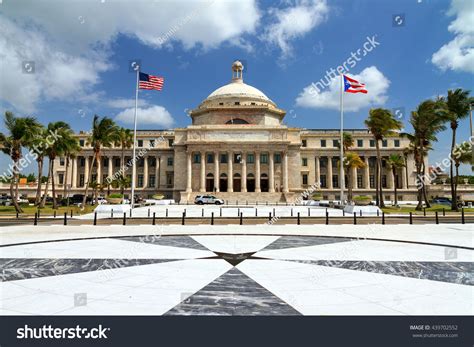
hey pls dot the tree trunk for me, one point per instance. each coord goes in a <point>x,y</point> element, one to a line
<point>88,181</point>
<point>13,192</point>
<point>53,186</point>
<point>456,184</point>
<point>454,205</point>
<point>45,194</point>
<point>425,197</point>
<point>406,171</point>
<point>395,179</point>
<point>40,178</point>
<point>379,175</point>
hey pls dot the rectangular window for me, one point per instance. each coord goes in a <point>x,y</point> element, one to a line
<point>139,143</point>
<point>335,181</point>
<point>170,142</point>
<point>151,181</point>
<point>360,143</point>
<point>396,143</point>
<point>170,161</point>
<point>210,158</point>
<point>152,161</point>
<point>323,181</point>
<point>223,158</point>
<point>384,143</point>
<point>169,179</point>
<point>61,178</point>
<point>61,161</point>
<point>359,181</point>
<point>250,159</point>
<point>335,143</point>
<point>117,162</point>
<point>140,181</point>
<point>141,162</point>
<point>305,179</point>
<point>83,161</point>
<point>264,158</point>
<point>372,143</point>
<point>334,162</point>
<point>81,143</point>
<point>196,158</point>
<point>304,161</point>
<point>81,180</point>
<point>323,143</point>
<point>277,158</point>
<point>384,181</point>
<point>372,181</point>
<point>323,162</point>
<point>105,162</point>
<point>237,158</point>
<point>304,143</point>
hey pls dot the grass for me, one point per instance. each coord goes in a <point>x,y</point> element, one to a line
<point>47,210</point>
<point>411,208</point>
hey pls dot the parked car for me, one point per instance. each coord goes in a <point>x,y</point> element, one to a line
<point>207,199</point>
<point>445,201</point>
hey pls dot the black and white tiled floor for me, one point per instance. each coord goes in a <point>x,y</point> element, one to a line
<point>235,275</point>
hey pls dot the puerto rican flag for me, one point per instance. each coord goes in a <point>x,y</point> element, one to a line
<point>353,86</point>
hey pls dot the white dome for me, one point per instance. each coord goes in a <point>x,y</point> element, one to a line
<point>235,89</point>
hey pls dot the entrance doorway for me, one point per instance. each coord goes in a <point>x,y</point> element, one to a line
<point>250,182</point>
<point>209,182</point>
<point>264,183</point>
<point>237,183</point>
<point>223,183</point>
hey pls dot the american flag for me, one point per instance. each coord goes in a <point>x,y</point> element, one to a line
<point>353,86</point>
<point>150,82</point>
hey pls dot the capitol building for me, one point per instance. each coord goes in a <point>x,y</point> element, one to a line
<point>237,147</point>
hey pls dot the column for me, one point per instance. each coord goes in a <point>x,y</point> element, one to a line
<point>271,175</point>
<point>285,173</point>
<point>230,173</point>
<point>366,173</point>
<point>390,179</point>
<point>203,172</point>
<point>402,173</point>
<point>329,173</point>
<point>145,172</point>
<point>257,172</point>
<point>216,171</point>
<point>74,173</point>
<point>157,172</point>
<point>354,178</point>
<point>189,169</point>
<point>99,170</point>
<point>244,173</point>
<point>318,171</point>
<point>111,169</point>
<point>86,171</point>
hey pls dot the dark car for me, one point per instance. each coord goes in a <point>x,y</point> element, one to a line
<point>444,201</point>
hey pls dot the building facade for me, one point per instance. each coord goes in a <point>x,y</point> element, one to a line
<point>238,148</point>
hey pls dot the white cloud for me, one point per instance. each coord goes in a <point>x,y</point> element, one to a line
<point>126,103</point>
<point>156,115</point>
<point>294,22</point>
<point>458,54</point>
<point>71,43</point>
<point>377,85</point>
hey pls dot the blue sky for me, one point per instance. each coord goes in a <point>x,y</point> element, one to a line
<point>82,51</point>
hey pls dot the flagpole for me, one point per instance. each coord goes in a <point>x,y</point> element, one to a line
<point>341,144</point>
<point>134,168</point>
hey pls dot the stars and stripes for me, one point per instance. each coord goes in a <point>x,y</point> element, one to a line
<point>150,82</point>
<point>353,86</point>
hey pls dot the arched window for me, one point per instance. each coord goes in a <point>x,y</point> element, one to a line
<point>209,175</point>
<point>223,176</point>
<point>237,121</point>
<point>237,175</point>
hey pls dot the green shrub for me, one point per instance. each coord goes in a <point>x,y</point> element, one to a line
<point>115,196</point>
<point>362,198</point>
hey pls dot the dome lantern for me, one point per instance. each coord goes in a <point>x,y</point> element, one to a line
<point>237,69</point>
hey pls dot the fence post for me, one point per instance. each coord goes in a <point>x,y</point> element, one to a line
<point>212,218</point>
<point>298,220</point>
<point>65,218</point>
<point>71,213</point>
<point>355,218</point>
<point>309,212</point>
<point>241,218</point>
<point>166,213</point>
<point>148,213</point>
<point>184,212</point>
<point>256,212</point>
<point>274,212</point>
<point>462,216</point>
<point>383,217</point>
<point>35,222</point>
<point>54,214</point>
<point>238,211</point>
<point>202,212</point>
<point>269,216</point>
<point>327,217</point>
<point>436,215</point>
<point>220,212</point>
<point>95,218</point>
<point>183,217</point>
<point>424,211</point>
<point>124,222</point>
<point>292,211</point>
<point>343,213</point>
<point>411,218</point>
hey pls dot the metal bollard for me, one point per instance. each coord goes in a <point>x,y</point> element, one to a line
<point>212,218</point>
<point>444,212</point>
<point>411,218</point>
<point>327,217</point>
<point>436,216</point>
<point>183,218</point>
<point>383,217</point>
<point>148,213</point>
<point>343,213</point>
<point>424,211</point>
<point>184,212</point>
<point>292,211</point>
<point>220,212</point>
<point>309,212</point>
<point>273,212</point>
<point>202,212</point>
<point>71,213</point>
<point>462,216</point>
<point>166,213</point>
<point>153,222</point>
<point>35,222</point>
<point>241,215</point>
<point>95,218</point>
<point>269,216</point>
<point>112,213</point>
<point>256,212</point>
<point>39,215</point>
<point>124,222</point>
<point>298,219</point>
<point>355,218</point>
<point>360,213</point>
<point>238,211</point>
<point>54,214</point>
<point>378,213</point>
<point>65,218</point>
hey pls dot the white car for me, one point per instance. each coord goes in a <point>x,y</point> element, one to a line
<point>208,199</point>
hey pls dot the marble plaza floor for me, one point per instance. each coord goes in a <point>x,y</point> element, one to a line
<point>237,270</point>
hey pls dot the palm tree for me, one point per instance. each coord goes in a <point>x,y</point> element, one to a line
<point>65,136</point>
<point>104,134</point>
<point>121,182</point>
<point>125,141</point>
<point>381,123</point>
<point>21,132</point>
<point>71,150</point>
<point>406,152</point>
<point>462,155</point>
<point>427,121</point>
<point>395,162</point>
<point>457,103</point>
<point>37,145</point>
<point>352,161</point>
